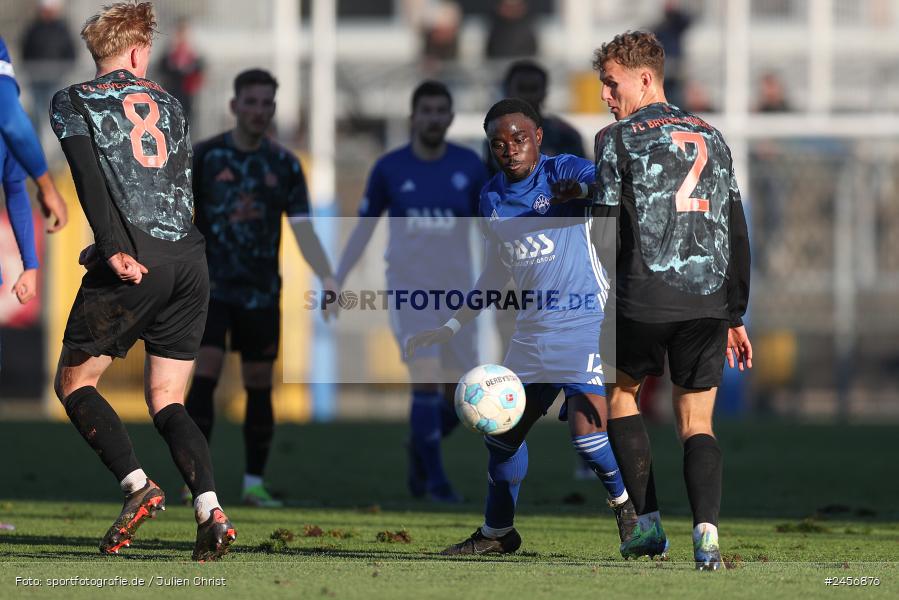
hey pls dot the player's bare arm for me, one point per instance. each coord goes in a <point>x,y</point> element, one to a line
<point>52,204</point>
<point>312,250</point>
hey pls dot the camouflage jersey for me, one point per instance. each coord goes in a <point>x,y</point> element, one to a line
<point>671,173</point>
<point>241,197</point>
<point>142,146</point>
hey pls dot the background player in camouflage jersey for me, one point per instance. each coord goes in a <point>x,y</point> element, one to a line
<point>126,142</point>
<point>682,280</point>
<point>243,183</point>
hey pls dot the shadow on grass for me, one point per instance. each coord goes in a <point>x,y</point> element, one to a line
<point>21,547</point>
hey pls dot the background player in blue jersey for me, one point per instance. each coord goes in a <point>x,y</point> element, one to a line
<point>429,188</point>
<point>22,143</point>
<point>18,206</point>
<point>544,248</point>
<point>682,280</point>
<point>243,184</point>
<point>129,150</point>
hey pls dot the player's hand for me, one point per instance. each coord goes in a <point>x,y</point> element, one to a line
<point>739,348</point>
<point>26,286</point>
<point>330,289</point>
<point>565,190</point>
<point>427,338</point>
<point>89,257</point>
<point>126,268</point>
<point>52,204</point>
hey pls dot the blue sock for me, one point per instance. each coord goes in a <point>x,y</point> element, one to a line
<point>448,418</point>
<point>596,450</point>
<point>505,472</point>
<point>425,422</point>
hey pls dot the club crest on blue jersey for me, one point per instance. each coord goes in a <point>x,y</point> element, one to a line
<point>541,204</point>
<point>459,180</point>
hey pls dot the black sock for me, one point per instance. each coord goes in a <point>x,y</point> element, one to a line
<point>188,447</point>
<point>634,454</point>
<point>702,474</point>
<point>102,429</point>
<point>200,405</point>
<point>258,429</point>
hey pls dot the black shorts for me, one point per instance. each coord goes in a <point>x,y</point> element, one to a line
<point>167,310</point>
<point>695,350</point>
<point>255,333</point>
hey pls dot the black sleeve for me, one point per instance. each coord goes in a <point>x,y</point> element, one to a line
<point>109,232</point>
<point>605,230</point>
<point>196,178</point>
<point>739,263</point>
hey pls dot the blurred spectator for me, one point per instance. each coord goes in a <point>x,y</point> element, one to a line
<point>181,68</point>
<point>48,53</point>
<point>772,94</point>
<point>512,33</point>
<point>527,80</point>
<point>440,29</point>
<point>670,32</point>
<point>696,98</point>
<point>770,183</point>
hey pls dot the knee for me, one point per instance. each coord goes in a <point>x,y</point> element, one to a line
<point>257,375</point>
<point>58,388</point>
<point>64,384</point>
<point>686,430</point>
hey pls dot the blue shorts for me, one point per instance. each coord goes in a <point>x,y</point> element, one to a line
<point>567,358</point>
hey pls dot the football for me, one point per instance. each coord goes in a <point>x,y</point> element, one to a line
<point>490,399</point>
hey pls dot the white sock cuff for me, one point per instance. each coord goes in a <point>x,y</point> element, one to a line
<point>203,505</point>
<point>702,528</point>
<point>620,499</point>
<point>492,533</point>
<point>133,481</point>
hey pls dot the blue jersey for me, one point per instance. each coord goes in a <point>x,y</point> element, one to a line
<point>547,249</point>
<point>18,206</point>
<point>10,169</point>
<point>6,62</point>
<point>428,202</point>
<point>15,127</point>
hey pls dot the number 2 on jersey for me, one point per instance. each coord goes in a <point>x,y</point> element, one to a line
<point>144,125</point>
<point>683,201</point>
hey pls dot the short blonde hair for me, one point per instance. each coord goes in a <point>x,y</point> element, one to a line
<point>119,27</point>
<point>632,50</point>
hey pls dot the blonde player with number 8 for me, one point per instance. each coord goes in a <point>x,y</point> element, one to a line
<point>127,144</point>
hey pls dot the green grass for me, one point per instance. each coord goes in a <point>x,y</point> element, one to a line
<point>801,503</point>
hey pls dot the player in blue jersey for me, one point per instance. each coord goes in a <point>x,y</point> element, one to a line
<point>22,143</point>
<point>547,250</point>
<point>682,280</point>
<point>126,141</point>
<point>18,206</point>
<point>244,183</point>
<point>429,188</point>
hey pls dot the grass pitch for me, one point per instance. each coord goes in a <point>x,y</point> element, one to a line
<point>801,504</point>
